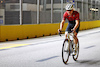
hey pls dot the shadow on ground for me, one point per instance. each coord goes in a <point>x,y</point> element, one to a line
<point>89,62</point>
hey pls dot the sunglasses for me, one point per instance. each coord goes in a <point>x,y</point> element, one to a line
<point>69,10</point>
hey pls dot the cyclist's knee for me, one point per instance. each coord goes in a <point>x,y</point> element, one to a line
<point>66,34</point>
<point>75,35</point>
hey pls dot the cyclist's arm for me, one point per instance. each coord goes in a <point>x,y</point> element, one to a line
<point>62,24</point>
<point>76,25</point>
<point>77,22</point>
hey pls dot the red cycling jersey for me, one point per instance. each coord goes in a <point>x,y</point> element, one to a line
<point>75,16</point>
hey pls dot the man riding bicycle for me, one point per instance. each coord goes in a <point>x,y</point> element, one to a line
<point>73,22</point>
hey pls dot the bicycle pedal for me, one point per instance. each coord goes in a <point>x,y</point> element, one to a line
<point>73,54</point>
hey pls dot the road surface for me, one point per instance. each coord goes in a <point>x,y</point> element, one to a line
<point>46,51</point>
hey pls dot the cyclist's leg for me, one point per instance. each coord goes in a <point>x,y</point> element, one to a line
<point>75,43</point>
<point>75,36</point>
<point>66,34</point>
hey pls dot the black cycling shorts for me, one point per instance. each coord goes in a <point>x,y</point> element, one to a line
<point>71,26</point>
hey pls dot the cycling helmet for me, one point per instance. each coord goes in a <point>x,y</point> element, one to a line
<point>69,7</point>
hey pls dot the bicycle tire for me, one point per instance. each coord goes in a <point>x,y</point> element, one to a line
<point>65,50</point>
<point>77,53</point>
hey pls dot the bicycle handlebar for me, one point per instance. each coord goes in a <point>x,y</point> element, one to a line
<point>64,31</point>
<point>60,33</point>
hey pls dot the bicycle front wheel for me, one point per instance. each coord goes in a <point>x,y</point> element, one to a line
<point>77,52</point>
<point>65,51</point>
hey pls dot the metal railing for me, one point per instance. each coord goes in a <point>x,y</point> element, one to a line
<point>44,11</point>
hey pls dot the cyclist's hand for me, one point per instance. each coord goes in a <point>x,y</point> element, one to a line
<point>73,30</point>
<point>59,31</point>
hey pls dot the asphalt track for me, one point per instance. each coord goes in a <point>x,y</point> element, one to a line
<point>46,51</point>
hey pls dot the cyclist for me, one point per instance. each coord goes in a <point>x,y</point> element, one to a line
<point>73,22</point>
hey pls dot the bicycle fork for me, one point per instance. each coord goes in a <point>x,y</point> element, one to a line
<point>71,46</point>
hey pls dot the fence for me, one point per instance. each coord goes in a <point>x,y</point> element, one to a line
<point>44,11</point>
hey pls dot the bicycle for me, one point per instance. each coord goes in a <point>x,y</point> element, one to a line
<point>68,48</point>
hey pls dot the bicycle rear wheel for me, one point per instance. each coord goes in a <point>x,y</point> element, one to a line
<point>77,52</point>
<point>65,51</point>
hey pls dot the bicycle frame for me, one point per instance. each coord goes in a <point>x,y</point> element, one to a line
<point>70,41</point>
<point>70,34</point>
<point>70,49</point>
